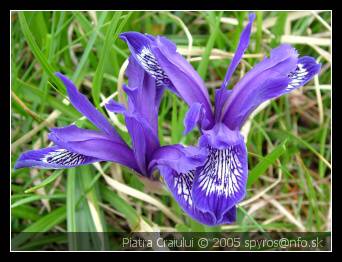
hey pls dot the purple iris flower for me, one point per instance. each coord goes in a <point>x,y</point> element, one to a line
<point>209,193</point>
<point>75,146</point>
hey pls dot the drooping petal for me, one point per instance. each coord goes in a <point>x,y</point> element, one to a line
<point>158,56</point>
<point>221,94</point>
<point>180,185</point>
<point>93,144</point>
<point>82,104</point>
<point>221,183</point>
<point>194,116</point>
<point>267,80</point>
<point>179,158</point>
<point>306,69</point>
<point>140,47</point>
<point>54,157</point>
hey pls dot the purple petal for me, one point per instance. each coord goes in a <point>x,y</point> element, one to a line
<point>82,104</point>
<point>116,107</point>
<point>266,80</point>
<point>221,94</point>
<point>221,183</point>
<point>177,165</point>
<point>143,94</point>
<point>53,158</point>
<point>183,76</point>
<point>306,69</point>
<point>139,79</point>
<point>180,185</point>
<point>242,46</point>
<point>144,141</point>
<point>140,47</point>
<point>93,144</point>
<point>158,56</point>
<point>179,158</point>
<point>194,116</point>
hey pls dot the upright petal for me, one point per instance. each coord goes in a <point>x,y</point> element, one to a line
<point>194,116</point>
<point>82,104</point>
<point>144,141</point>
<point>142,114</point>
<point>93,144</point>
<point>221,183</point>
<point>221,94</point>
<point>242,46</point>
<point>274,76</point>
<point>143,94</point>
<point>54,157</point>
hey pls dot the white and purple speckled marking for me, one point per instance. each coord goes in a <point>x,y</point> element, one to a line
<point>64,157</point>
<point>222,173</point>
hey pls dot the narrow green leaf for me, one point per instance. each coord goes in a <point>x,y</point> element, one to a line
<point>262,166</point>
<point>71,201</point>
<point>25,212</point>
<point>86,53</point>
<point>38,54</point>
<point>109,40</point>
<point>45,182</point>
<point>203,66</point>
<point>48,221</point>
<point>121,205</point>
<point>35,198</point>
<point>258,31</point>
<point>42,225</point>
<point>279,28</point>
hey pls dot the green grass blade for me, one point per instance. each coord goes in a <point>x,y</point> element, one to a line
<point>44,224</point>
<point>262,166</point>
<point>88,49</point>
<point>122,206</point>
<point>203,66</point>
<point>279,28</point>
<point>45,182</point>
<point>109,40</point>
<point>35,198</point>
<point>71,201</point>
<point>48,221</point>
<point>38,53</point>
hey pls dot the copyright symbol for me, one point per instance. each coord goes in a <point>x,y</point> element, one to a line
<point>203,242</point>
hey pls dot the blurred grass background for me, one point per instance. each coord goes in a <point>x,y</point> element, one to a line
<point>289,142</point>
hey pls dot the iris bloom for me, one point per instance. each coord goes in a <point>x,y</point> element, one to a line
<point>75,146</point>
<point>209,193</point>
